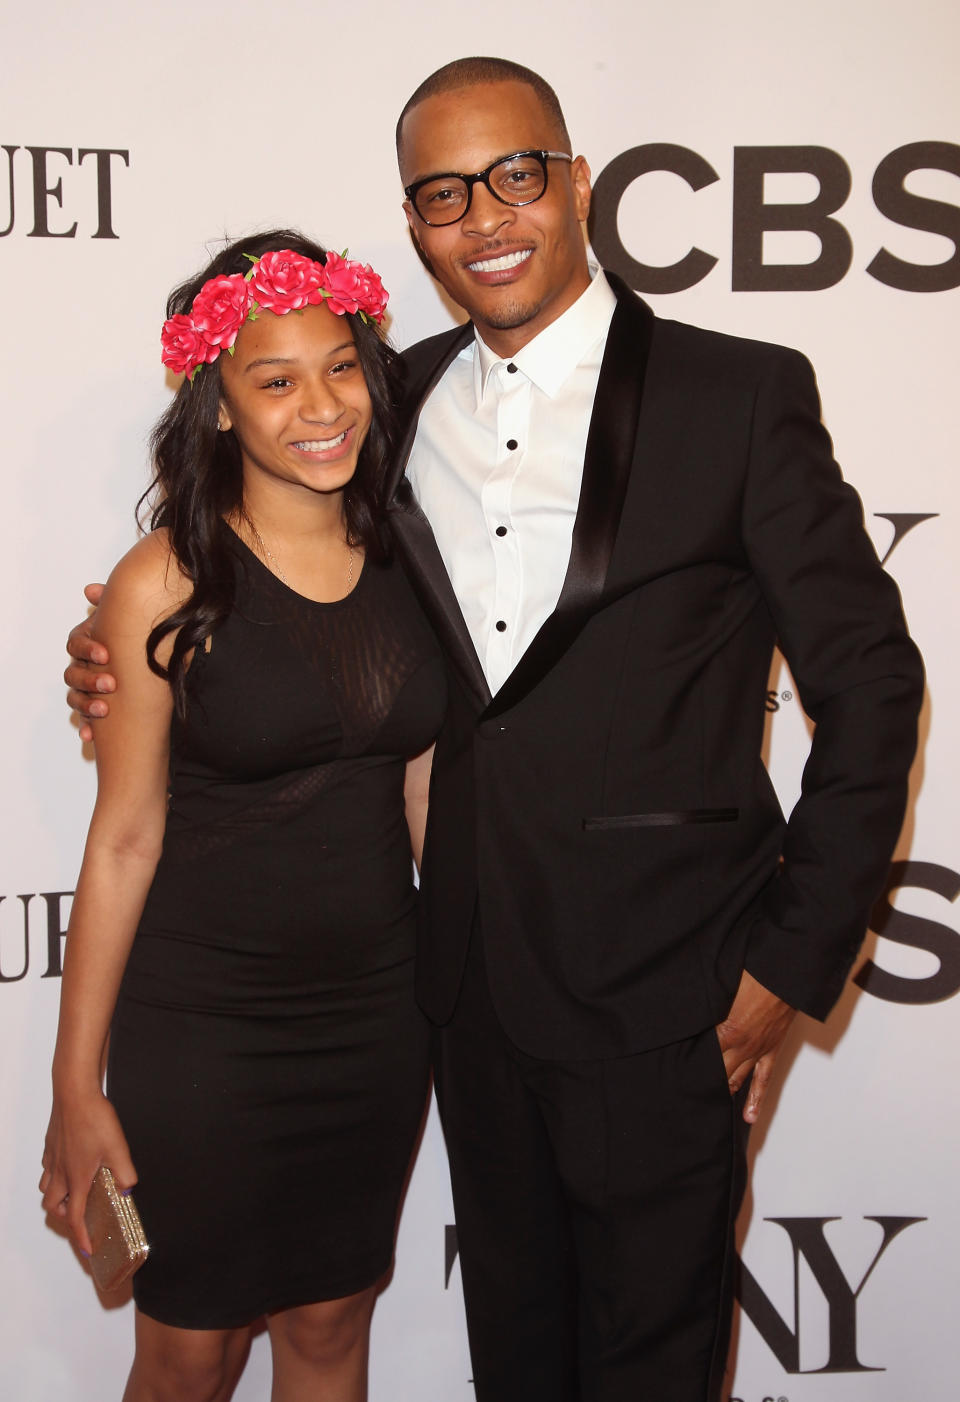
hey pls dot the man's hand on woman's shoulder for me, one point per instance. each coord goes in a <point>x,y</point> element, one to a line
<point>86,676</point>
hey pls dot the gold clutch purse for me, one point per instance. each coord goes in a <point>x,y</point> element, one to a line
<point>116,1233</point>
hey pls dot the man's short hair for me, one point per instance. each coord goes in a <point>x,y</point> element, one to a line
<point>467,72</point>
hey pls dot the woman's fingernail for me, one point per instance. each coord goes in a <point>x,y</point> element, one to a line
<point>125,1193</point>
<point>85,1254</point>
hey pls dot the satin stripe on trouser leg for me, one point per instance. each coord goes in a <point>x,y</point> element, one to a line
<point>595,1203</point>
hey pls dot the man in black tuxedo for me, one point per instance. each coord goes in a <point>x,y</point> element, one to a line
<point>617,923</point>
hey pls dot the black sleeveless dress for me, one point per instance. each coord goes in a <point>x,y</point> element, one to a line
<point>267,1060</point>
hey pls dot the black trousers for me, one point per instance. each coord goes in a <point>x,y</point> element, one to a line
<point>595,1203</point>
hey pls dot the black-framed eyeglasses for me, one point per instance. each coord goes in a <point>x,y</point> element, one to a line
<point>515,180</point>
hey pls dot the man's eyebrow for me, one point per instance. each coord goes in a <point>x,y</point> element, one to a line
<point>439,174</point>
<point>293,360</point>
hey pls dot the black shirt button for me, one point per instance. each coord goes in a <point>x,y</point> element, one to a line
<point>511,443</point>
<point>501,530</point>
<point>501,626</point>
<point>511,369</point>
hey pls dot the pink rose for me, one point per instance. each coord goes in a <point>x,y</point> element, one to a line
<point>184,348</point>
<point>220,309</point>
<point>353,287</point>
<point>375,296</point>
<point>285,282</point>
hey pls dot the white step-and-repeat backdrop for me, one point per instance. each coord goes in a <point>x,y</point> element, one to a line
<point>779,170</point>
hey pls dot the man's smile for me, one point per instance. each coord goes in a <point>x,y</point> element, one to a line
<point>502,263</point>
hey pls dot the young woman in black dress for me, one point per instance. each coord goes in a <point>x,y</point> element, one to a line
<point>243,922</point>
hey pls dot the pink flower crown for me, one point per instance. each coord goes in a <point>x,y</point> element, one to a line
<point>279,282</point>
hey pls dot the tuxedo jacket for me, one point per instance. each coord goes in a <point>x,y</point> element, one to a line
<point>607,816</point>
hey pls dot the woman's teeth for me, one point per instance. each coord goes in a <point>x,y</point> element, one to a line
<point>321,445</point>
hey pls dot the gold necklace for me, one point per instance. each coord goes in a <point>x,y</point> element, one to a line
<point>268,555</point>
<point>274,563</point>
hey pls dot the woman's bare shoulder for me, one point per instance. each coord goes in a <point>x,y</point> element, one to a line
<point>147,583</point>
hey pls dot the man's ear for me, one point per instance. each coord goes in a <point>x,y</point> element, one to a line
<point>582,189</point>
<point>411,221</point>
<point>415,237</point>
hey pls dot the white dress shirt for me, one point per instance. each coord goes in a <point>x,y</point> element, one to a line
<point>497,465</point>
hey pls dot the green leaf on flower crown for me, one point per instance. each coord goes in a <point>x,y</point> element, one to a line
<point>230,350</point>
<point>344,253</point>
<point>254,258</point>
<point>193,374</point>
<point>363,316</point>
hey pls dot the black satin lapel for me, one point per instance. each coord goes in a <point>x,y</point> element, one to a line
<point>606,472</point>
<point>425,569</point>
<point>424,364</point>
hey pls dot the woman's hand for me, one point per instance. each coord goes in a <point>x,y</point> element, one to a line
<point>83,1133</point>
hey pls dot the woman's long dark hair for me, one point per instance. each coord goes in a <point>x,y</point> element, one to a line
<point>198,479</point>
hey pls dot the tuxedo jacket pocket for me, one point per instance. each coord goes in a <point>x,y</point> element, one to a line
<point>669,819</point>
